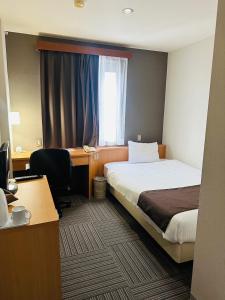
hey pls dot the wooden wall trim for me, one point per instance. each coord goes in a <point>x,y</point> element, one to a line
<point>81,49</point>
<point>114,154</point>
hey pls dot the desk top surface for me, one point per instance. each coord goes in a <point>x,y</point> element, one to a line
<point>74,152</point>
<point>35,195</point>
<point>21,155</point>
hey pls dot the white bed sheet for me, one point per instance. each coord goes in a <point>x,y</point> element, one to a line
<point>132,179</point>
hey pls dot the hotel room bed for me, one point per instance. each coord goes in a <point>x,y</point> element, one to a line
<point>127,181</point>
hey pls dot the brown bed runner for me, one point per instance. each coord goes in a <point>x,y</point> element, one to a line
<point>162,205</point>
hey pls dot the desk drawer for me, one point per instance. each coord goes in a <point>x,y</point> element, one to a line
<point>80,161</point>
<point>19,165</point>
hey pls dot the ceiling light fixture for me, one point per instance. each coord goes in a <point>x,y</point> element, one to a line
<point>80,3</point>
<point>128,11</point>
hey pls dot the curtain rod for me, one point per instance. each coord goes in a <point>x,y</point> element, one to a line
<point>73,48</point>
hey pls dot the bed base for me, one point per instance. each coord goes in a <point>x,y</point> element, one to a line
<point>178,252</point>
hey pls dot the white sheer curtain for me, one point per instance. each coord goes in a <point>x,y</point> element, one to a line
<point>112,99</point>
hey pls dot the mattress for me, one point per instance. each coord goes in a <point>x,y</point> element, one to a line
<point>132,179</point>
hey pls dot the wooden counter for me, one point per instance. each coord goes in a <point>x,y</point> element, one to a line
<point>29,255</point>
<point>94,161</point>
<point>20,159</point>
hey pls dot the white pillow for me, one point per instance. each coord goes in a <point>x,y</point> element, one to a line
<point>142,152</point>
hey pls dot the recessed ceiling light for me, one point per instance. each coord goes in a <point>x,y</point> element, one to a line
<point>79,3</point>
<point>128,11</point>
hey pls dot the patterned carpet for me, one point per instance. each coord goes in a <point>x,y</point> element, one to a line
<point>105,254</point>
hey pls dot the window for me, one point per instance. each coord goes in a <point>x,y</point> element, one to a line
<point>112,100</point>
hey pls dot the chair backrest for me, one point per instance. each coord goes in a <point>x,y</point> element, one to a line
<point>55,164</point>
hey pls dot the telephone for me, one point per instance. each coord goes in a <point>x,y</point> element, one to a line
<point>89,149</point>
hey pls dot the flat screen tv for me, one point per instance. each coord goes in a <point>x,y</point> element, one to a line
<point>4,165</point>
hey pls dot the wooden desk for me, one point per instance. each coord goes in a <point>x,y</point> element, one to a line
<point>29,255</point>
<point>20,159</point>
<point>95,161</point>
<point>81,158</point>
<point>78,157</point>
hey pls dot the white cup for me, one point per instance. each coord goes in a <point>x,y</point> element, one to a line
<point>20,215</point>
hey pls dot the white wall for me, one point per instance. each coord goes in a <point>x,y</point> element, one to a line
<point>187,93</point>
<point>209,261</point>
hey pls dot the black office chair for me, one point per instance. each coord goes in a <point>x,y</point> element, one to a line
<point>56,165</point>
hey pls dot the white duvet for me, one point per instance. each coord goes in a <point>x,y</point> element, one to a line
<point>132,179</point>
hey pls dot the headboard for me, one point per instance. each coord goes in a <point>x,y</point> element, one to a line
<point>112,154</point>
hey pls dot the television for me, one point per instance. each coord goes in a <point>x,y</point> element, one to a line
<point>4,165</point>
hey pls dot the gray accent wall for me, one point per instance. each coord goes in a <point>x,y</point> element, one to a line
<point>146,82</point>
<point>145,91</point>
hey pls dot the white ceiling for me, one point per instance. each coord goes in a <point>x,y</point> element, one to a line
<point>156,24</point>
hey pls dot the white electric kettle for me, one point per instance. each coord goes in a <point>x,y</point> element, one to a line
<point>4,213</point>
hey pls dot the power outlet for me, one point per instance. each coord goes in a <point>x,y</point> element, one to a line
<point>139,137</point>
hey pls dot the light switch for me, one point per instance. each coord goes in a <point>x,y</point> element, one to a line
<point>39,142</point>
